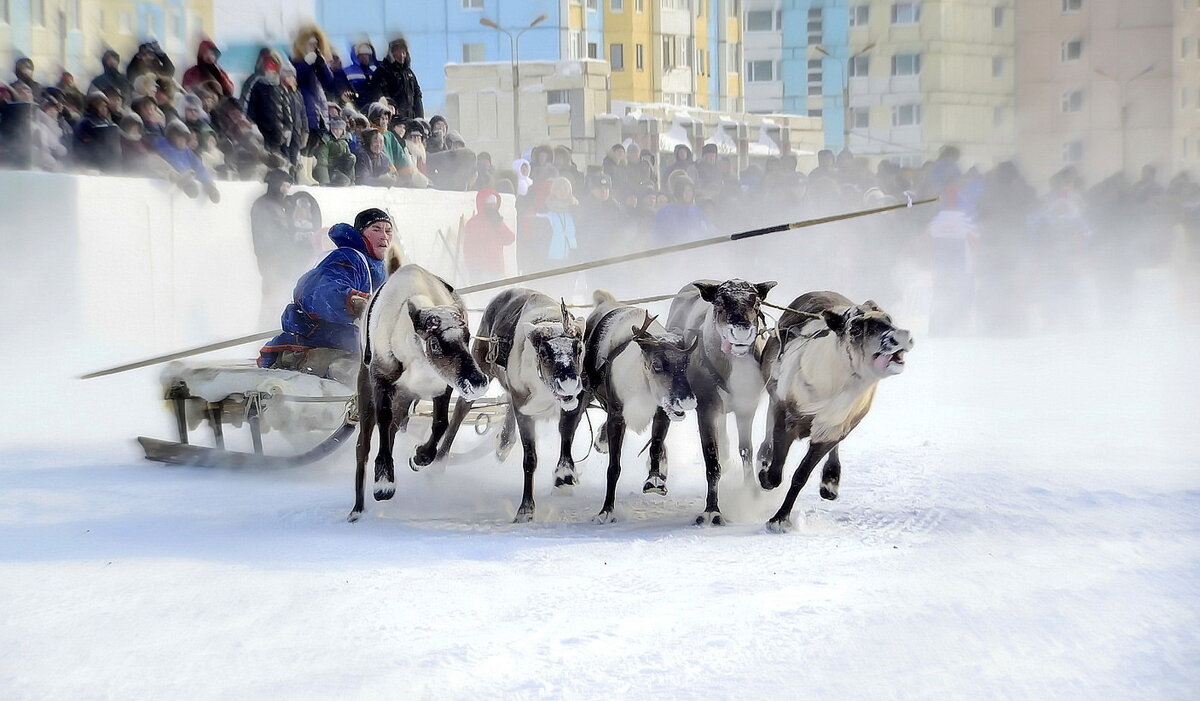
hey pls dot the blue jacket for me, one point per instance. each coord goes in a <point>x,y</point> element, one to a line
<point>313,80</point>
<point>360,77</point>
<point>320,315</point>
<point>183,160</point>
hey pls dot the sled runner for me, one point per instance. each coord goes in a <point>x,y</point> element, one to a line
<point>294,404</point>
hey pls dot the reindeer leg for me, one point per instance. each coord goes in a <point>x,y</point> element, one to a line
<point>461,408</point>
<point>366,424</point>
<point>781,521</point>
<point>385,468</point>
<point>568,422</point>
<point>707,416</point>
<point>831,475</point>
<point>527,428</point>
<point>656,477</point>
<point>745,429</point>
<point>505,443</point>
<point>616,434</point>
<point>426,452</point>
<point>770,472</point>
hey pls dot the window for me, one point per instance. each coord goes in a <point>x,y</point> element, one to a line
<point>639,5</point>
<point>639,52</point>
<point>472,4</point>
<point>6,11</point>
<point>906,13</point>
<point>997,17</point>
<point>178,25</point>
<point>668,52</point>
<point>575,44</point>
<point>558,97</point>
<point>860,15</point>
<point>616,56</point>
<point>860,117</point>
<point>906,115</point>
<point>734,58</point>
<point>593,50</point>
<point>1071,6</point>
<point>1072,151</point>
<point>859,66</point>
<point>1072,101</point>
<point>592,4</point>
<point>472,53</point>
<point>617,5</point>
<point>814,78</point>
<point>814,26</point>
<point>735,8</point>
<point>37,10</point>
<point>906,64</point>
<point>760,21</point>
<point>997,66</point>
<point>760,71</point>
<point>815,112</point>
<point>1072,50</point>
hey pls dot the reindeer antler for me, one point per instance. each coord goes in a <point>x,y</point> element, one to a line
<point>568,320</point>
<point>642,332</point>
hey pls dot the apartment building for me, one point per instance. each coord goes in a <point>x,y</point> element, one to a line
<point>1108,85</point>
<point>72,34</point>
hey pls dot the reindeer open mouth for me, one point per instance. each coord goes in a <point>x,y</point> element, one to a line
<point>888,363</point>
<point>737,340</point>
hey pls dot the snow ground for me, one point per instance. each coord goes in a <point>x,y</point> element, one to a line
<point>1019,519</point>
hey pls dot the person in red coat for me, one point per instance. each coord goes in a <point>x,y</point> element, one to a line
<point>206,69</point>
<point>485,237</point>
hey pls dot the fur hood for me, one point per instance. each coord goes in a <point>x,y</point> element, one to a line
<point>300,44</point>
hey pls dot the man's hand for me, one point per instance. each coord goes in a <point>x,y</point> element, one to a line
<point>358,303</point>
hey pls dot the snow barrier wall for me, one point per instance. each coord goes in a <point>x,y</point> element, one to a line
<point>131,267</point>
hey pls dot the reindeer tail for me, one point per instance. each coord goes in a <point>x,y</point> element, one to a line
<point>392,259</point>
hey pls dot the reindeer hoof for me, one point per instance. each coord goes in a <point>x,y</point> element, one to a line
<point>710,518</point>
<point>655,484</point>
<point>829,490</point>
<point>354,516</point>
<point>524,515</point>
<point>421,457</point>
<point>604,517</point>
<point>766,481</point>
<point>384,490</point>
<point>779,525</point>
<point>564,475</point>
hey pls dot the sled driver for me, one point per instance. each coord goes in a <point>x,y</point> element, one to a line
<point>319,334</point>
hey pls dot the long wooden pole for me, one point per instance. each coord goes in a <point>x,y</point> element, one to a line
<point>540,275</point>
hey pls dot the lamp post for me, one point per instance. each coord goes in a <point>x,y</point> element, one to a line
<point>514,43</point>
<point>1122,108</point>
<point>846,88</point>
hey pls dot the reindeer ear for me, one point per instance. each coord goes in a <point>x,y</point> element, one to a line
<point>835,321</point>
<point>763,288</point>
<point>708,291</point>
<point>414,314</point>
<point>870,306</point>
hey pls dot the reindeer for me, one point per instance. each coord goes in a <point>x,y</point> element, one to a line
<point>821,371</point>
<point>535,348</point>
<point>724,373</point>
<point>415,346</point>
<point>636,373</point>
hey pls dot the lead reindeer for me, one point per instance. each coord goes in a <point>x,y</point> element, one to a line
<point>724,372</point>
<point>415,347</point>
<point>636,370</point>
<point>534,347</point>
<point>821,371</point>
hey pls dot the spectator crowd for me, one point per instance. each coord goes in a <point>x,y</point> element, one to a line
<point>991,245</point>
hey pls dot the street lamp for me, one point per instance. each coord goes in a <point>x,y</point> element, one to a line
<point>1123,108</point>
<point>846,88</point>
<point>514,43</point>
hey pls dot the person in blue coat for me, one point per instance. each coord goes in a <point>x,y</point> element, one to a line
<point>319,325</point>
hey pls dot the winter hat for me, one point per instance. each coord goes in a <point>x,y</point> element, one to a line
<point>561,194</point>
<point>145,84</point>
<point>178,127</point>
<point>364,47</point>
<point>454,137</point>
<point>337,123</point>
<point>370,216</point>
<point>96,96</point>
<point>438,118</point>
<point>276,176</point>
<point>416,126</point>
<point>398,43</point>
<point>599,180</point>
<point>128,122</point>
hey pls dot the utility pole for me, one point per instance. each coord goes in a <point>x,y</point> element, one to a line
<point>845,64</point>
<point>514,44</point>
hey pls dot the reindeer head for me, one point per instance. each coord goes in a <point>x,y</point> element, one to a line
<point>441,333</point>
<point>559,358</point>
<point>735,305</point>
<point>875,345</point>
<point>665,363</point>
